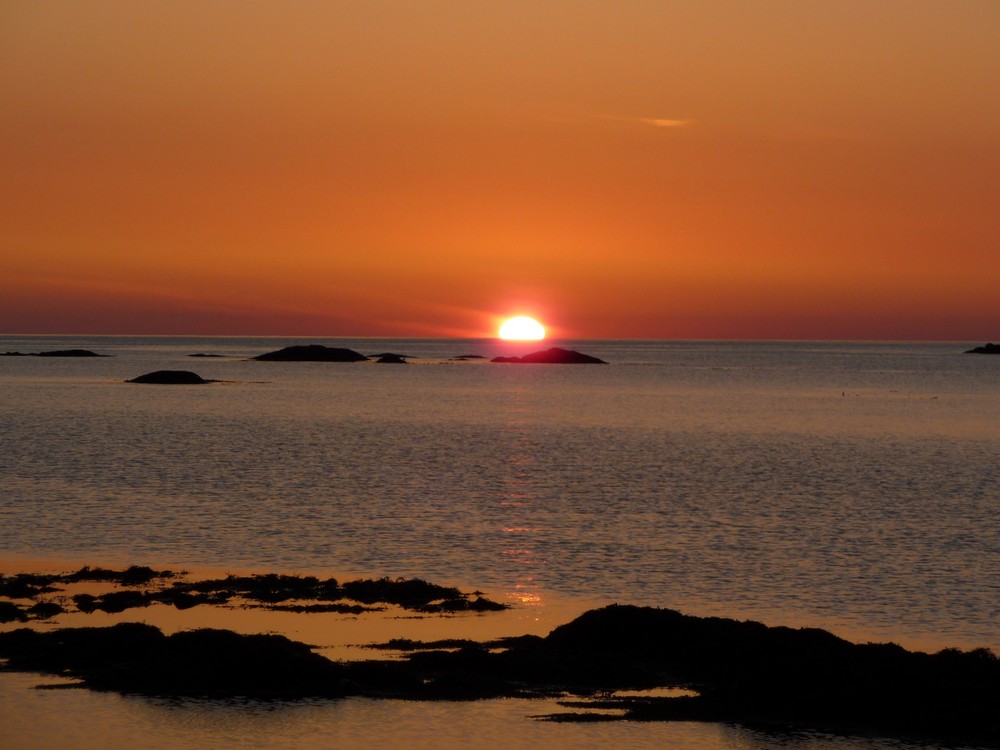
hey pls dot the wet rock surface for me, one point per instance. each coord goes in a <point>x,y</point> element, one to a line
<point>312,353</point>
<point>553,356</point>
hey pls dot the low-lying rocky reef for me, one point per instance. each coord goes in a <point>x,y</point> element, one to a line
<point>733,671</point>
<point>140,586</point>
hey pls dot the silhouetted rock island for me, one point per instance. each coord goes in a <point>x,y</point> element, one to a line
<point>987,349</point>
<point>553,356</point>
<point>57,353</point>
<point>171,377</point>
<point>312,353</point>
<point>391,359</point>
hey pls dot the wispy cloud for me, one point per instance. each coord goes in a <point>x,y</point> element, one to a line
<point>657,122</point>
<point>652,122</point>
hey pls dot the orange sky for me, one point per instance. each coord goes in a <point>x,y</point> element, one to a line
<point>649,169</point>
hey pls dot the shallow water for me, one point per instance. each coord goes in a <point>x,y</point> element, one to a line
<point>53,720</point>
<point>844,485</point>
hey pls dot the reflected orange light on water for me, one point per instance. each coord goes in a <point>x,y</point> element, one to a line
<point>528,599</point>
<point>526,593</point>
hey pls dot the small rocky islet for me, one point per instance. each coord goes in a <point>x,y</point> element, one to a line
<point>171,377</point>
<point>553,356</point>
<point>312,353</point>
<point>56,353</point>
<point>985,349</point>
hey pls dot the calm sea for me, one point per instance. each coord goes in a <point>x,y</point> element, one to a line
<point>851,486</point>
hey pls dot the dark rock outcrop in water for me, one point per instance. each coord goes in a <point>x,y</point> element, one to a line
<point>71,353</point>
<point>138,658</point>
<point>553,356</point>
<point>171,377</point>
<point>751,673</point>
<point>742,672</point>
<point>987,349</point>
<point>269,591</point>
<point>57,353</point>
<point>312,353</point>
<point>391,359</point>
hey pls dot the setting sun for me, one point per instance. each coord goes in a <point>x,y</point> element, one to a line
<point>522,328</point>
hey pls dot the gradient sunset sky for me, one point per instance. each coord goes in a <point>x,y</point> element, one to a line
<point>672,169</point>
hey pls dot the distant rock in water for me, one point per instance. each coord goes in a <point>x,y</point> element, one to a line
<point>57,353</point>
<point>70,353</point>
<point>553,356</point>
<point>171,377</point>
<point>464,357</point>
<point>391,359</point>
<point>312,353</point>
<point>988,349</point>
<point>205,356</point>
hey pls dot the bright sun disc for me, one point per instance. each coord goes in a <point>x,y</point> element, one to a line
<point>522,328</point>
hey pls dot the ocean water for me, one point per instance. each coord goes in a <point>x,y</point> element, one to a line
<point>850,486</point>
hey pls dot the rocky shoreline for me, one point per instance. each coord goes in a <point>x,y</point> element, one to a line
<point>734,671</point>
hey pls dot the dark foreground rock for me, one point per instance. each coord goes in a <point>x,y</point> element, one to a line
<point>748,672</point>
<point>57,353</point>
<point>743,672</point>
<point>138,658</point>
<point>312,353</point>
<point>987,349</point>
<point>171,377</point>
<point>553,356</point>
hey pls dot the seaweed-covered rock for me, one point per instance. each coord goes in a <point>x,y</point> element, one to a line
<point>134,575</point>
<point>312,353</point>
<point>171,377</point>
<point>553,356</point>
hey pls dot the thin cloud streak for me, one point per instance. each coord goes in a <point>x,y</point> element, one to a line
<point>653,122</point>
